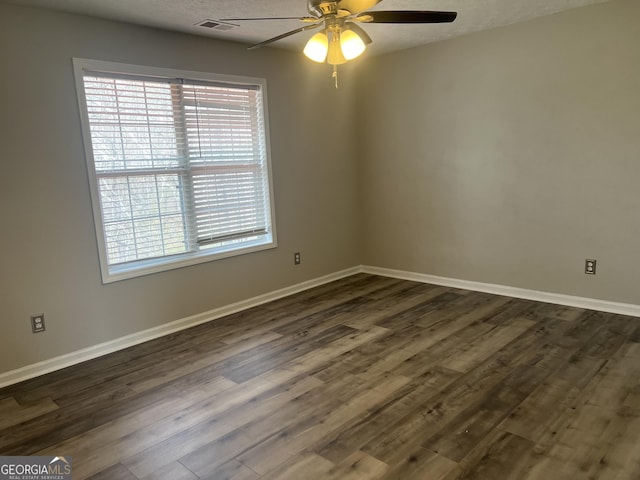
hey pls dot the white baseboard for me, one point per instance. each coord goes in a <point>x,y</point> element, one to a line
<point>73,358</point>
<point>556,298</point>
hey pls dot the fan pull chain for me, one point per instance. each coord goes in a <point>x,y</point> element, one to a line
<point>335,75</point>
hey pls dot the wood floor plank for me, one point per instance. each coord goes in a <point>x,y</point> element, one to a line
<point>470,426</point>
<point>539,411</point>
<point>13,413</point>
<point>467,390</point>
<point>501,456</point>
<point>267,429</point>
<point>427,306</point>
<point>143,382</point>
<point>231,470</point>
<point>357,405</point>
<point>97,449</point>
<point>421,464</point>
<point>346,441</point>
<point>209,428</point>
<point>273,354</point>
<point>295,436</point>
<point>307,466</point>
<point>364,378</point>
<point>118,471</point>
<point>357,466</point>
<point>514,309</point>
<point>424,338</point>
<point>474,352</point>
<point>557,312</point>
<point>603,426</point>
<point>265,318</point>
<point>172,471</point>
<point>320,356</point>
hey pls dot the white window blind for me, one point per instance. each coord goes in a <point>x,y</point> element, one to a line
<point>181,169</point>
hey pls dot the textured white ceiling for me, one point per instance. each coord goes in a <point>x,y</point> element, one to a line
<point>183,15</point>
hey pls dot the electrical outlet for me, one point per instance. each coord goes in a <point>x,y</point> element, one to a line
<point>37,323</point>
<point>296,258</point>
<point>590,266</point>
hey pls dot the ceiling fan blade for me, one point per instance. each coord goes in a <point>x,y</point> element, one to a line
<point>302,19</point>
<point>406,16</point>
<point>357,6</point>
<point>285,35</point>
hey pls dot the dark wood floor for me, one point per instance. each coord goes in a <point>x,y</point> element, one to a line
<point>364,378</point>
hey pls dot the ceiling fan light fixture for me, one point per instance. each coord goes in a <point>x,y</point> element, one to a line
<point>351,44</point>
<point>317,47</point>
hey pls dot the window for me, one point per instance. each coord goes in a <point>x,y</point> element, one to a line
<point>178,164</point>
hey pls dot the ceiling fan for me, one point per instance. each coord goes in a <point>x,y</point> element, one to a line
<point>342,38</point>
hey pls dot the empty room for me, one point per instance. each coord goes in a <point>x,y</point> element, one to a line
<point>341,239</point>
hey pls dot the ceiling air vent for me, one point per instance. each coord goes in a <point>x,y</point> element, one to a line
<point>216,25</point>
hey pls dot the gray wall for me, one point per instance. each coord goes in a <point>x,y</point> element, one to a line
<point>509,156</point>
<point>48,254</point>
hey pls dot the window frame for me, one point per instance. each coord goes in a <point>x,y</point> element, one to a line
<point>113,273</point>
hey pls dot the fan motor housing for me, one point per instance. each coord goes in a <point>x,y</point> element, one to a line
<point>322,7</point>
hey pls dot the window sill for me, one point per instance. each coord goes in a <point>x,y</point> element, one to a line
<point>147,267</point>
